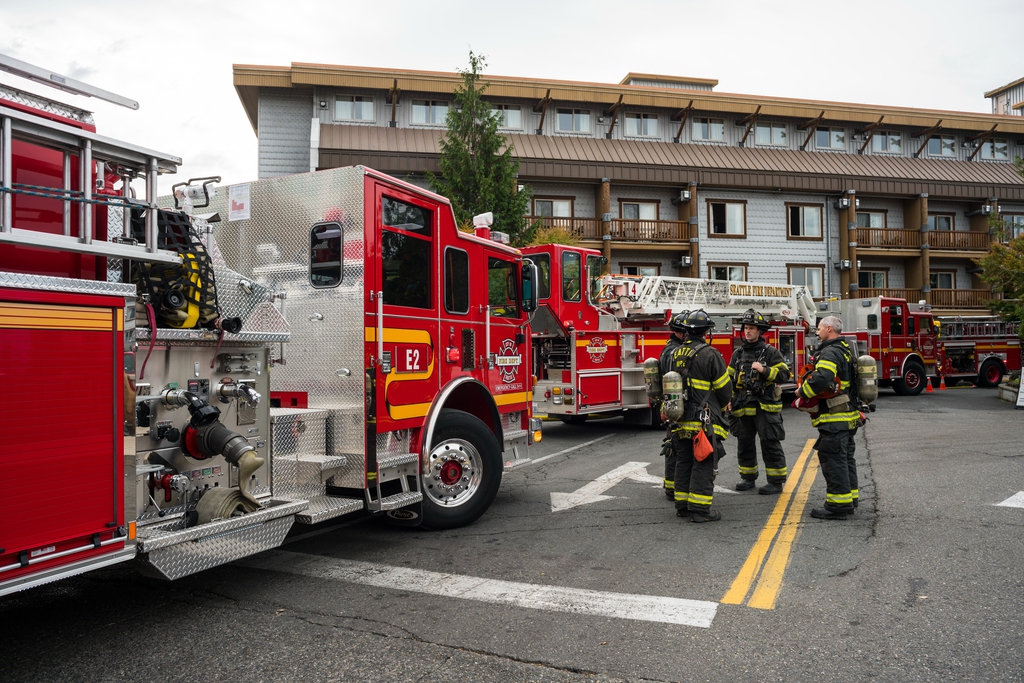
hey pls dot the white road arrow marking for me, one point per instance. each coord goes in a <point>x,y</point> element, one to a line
<point>592,492</point>
<point>1014,501</point>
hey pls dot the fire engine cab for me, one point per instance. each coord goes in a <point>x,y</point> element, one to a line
<point>402,388</point>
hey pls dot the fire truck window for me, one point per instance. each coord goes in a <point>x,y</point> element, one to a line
<point>502,293</point>
<point>543,262</point>
<point>910,326</point>
<point>572,287</point>
<point>895,322</point>
<point>325,241</point>
<point>594,264</point>
<point>405,270</point>
<point>408,217</point>
<point>872,321</point>
<point>456,281</point>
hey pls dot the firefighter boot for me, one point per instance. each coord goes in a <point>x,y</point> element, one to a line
<point>746,484</point>
<point>771,489</point>
<point>826,513</point>
<point>710,516</point>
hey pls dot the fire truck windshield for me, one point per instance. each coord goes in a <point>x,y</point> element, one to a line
<point>502,293</point>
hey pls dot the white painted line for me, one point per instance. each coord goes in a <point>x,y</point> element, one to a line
<point>1014,501</point>
<point>698,613</point>
<point>573,448</point>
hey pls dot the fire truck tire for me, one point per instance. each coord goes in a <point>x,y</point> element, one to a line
<point>464,453</point>
<point>991,373</point>
<point>913,380</point>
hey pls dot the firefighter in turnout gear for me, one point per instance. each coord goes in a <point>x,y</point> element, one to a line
<point>665,365</point>
<point>757,370</point>
<point>707,390</point>
<point>827,391</point>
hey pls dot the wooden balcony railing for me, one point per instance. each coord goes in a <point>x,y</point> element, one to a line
<point>961,298</point>
<point>655,231</point>
<point>888,239</point>
<point>958,240</point>
<point>621,229</point>
<point>911,295</point>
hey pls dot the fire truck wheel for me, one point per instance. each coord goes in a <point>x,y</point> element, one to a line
<point>912,382</point>
<point>461,473</point>
<point>991,373</point>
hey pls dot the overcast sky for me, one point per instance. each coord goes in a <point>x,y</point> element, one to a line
<point>175,58</point>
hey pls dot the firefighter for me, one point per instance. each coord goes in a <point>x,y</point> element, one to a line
<point>708,390</point>
<point>665,365</point>
<point>826,391</point>
<point>757,370</point>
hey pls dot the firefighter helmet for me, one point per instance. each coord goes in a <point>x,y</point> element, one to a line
<point>698,322</point>
<point>752,317</point>
<point>676,323</point>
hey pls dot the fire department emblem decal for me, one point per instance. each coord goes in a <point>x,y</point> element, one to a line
<point>508,360</point>
<point>597,348</point>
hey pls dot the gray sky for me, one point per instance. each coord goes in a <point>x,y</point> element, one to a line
<point>175,58</point>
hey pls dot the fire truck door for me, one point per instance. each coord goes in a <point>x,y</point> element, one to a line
<point>507,363</point>
<point>402,316</point>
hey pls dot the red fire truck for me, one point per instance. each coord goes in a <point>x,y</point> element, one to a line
<point>403,384</point>
<point>591,341</point>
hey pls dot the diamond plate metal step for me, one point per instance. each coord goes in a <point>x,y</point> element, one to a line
<point>517,434</point>
<point>322,508</point>
<point>399,500</point>
<point>327,463</point>
<point>389,461</point>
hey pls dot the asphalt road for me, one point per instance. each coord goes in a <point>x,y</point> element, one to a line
<point>925,583</point>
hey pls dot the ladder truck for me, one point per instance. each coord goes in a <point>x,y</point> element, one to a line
<point>591,341</point>
<point>145,340</point>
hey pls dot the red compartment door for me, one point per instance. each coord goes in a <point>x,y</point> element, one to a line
<point>600,390</point>
<point>61,463</point>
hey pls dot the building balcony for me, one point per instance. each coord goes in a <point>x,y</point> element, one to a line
<point>884,238</point>
<point>911,295</point>
<point>938,240</point>
<point>622,229</point>
<point>958,240</point>
<point>941,298</point>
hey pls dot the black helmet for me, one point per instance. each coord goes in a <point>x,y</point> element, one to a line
<point>752,317</point>
<point>676,323</point>
<point>698,322</point>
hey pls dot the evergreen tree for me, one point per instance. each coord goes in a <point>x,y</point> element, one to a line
<point>1003,268</point>
<point>478,167</point>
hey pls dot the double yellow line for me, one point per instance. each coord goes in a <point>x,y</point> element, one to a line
<point>777,536</point>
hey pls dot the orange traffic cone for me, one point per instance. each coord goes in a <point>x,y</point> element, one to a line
<point>942,383</point>
<point>928,385</point>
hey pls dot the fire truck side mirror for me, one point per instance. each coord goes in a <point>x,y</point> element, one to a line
<point>529,286</point>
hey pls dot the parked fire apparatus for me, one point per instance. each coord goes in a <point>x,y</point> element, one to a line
<point>405,380</point>
<point>592,334</point>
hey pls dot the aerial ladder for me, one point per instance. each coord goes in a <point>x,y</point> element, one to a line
<point>640,299</point>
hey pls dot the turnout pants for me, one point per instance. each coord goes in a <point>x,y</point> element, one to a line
<point>669,451</point>
<point>836,452</point>
<point>694,481</point>
<point>768,428</point>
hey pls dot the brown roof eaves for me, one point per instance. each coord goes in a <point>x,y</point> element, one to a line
<point>409,150</point>
<point>992,93</point>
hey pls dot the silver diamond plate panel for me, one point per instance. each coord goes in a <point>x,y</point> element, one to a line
<point>323,508</point>
<point>170,553</point>
<point>299,447</point>
<point>64,284</point>
<point>37,102</point>
<point>511,422</point>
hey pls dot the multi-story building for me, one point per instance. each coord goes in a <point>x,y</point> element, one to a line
<point>668,176</point>
<point>1009,99</point>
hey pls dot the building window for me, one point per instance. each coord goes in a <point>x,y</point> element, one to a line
<point>942,146</point>
<point>940,221</point>
<point>873,279</point>
<point>552,207</point>
<point>635,210</point>
<point>727,219</point>
<point>887,141</point>
<point>830,138</point>
<point>1014,227</point>
<point>995,149</point>
<point>708,129</point>
<point>870,219</point>
<point>508,115</point>
<point>645,125</point>
<point>574,120</point>
<point>808,276</point>
<point>640,269</point>
<point>770,134</point>
<point>353,108</point>
<point>429,111</point>
<point>728,271</point>
<point>804,221</point>
<point>943,279</point>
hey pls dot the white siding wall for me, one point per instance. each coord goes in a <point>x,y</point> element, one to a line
<point>284,126</point>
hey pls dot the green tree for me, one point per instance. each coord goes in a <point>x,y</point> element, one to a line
<point>478,166</point>
<point>1003,268</point>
